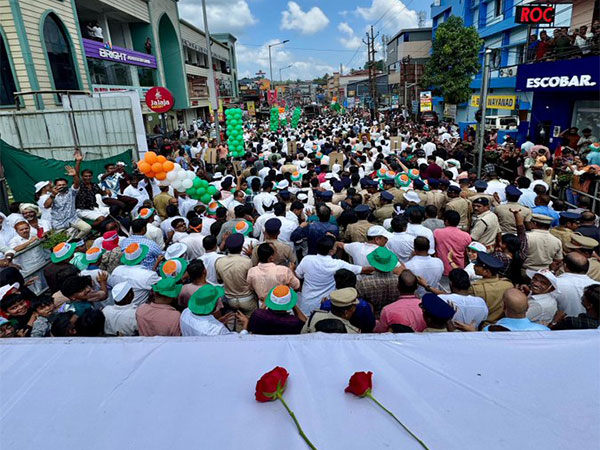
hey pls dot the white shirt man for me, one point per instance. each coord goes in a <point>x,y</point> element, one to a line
<point>209,260</point>
<point>469,309</point>
<point>195,249</point>
<point>120,320</point>
<point>570,288</point>
<point>359,252</point>
<point>497,186</point>
<point>155,234</point>
<point>417,230</point>
<point>427,267</point>
<point>402,245</point>
<point>195,325</point>
<point>140,279</point>
<point>429,148</point>
<point>317,272</point>
<point>139,193</point>
<point>261,199</point>
<point>542,308</point>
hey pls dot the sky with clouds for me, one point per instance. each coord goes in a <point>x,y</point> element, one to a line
<point>323,33</point>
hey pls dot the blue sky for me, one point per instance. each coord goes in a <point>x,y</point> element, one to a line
<point>323,34</point>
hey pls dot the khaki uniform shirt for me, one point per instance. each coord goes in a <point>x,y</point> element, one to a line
<point>336,210</point>
<point>506,219</point>
<point>318,316</point>
<point>594,270</point>
<point>491,290</point>
<point>357,232</point>
<point>469,193</point>
<point>374,201</point>
<point>383,212</point>
<point>491,198</point>
<point>233,271</point>
<point>398,195</point>
<point>424,196</point>
<point>485,229</point>
<point>542,249</point>
<point>437,199</point>
<point>161,201</point>
<point>337,198</point>
<point>284,253</point>
<point>564,234</point>
<point>462,207</point>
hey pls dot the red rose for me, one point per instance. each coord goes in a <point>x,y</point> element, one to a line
<point>271,384</point>
<point>360,384</point>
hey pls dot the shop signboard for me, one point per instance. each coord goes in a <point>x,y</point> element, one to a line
<point>160,100</point>
<point>251,109</point>
<point>450,111</point>
<point>535,14</point>
<point>101,50</point>
<point>496,101</point>
<point>425,100</point>
<point>415,106</point>
<point>571,75</point>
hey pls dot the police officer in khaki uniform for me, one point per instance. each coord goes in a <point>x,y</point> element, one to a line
<point>543,249</point>
<point>388,185</point>
<point>343,305</point>
<point>371,196</point>
<point>339,192</point>
<point>436,197</point>
<point>386,210</point>
<point>485,227</point>
<point>336,210</point>
<point>567,224</point>
<point>506,218</point>
<point>465,188</point>
<point>460,205</point>
<point>585,245</point>
<point>357,232</point>
<point>490,287</point>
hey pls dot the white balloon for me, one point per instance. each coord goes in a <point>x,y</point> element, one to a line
<point>181,189</point>
<point>172,175</point>
<point>187,183</point>
<point>176,184</point>
<point>181,174</point>
<point>190,175</point>
<point>177,167</point>
<point>164,182</point>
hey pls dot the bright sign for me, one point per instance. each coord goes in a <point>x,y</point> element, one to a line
<point>535,14</point>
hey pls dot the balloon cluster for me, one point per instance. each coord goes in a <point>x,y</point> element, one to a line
<point>235,133</point>
<point>296,116</point>
<point>274,125</point>
<point>179,178</point>
<point>201,190</point>
<point>155,166</point>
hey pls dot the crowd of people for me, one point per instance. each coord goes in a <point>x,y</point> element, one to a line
<point>341,225</point>
<point>564,43</point>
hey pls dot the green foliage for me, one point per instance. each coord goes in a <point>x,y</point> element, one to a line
<point>379,65</point>
<point>454,61</point>
<point>54,239</point>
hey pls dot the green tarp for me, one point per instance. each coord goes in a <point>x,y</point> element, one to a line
<point>22,170</point>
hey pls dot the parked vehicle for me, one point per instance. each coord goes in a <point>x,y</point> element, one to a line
<point>429,118</point>
<point>502,122</point>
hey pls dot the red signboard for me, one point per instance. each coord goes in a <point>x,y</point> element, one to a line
<point>535,14</point>
<point>160,99</point>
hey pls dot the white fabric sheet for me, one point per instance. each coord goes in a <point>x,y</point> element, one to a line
<point>455,391</point>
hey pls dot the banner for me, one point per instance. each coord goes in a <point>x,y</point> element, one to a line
<point>496,101</point>
<point>251,109</point>
<point>425,100</point>
<point>101,50</point>
<point>23,170</point>
<point>450,111</point>
<point>272,96</point>
<point>220,111</point>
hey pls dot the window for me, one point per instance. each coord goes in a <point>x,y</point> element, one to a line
<point>60,55</point>
<point>146,76</point>
<point>7,80</point>
<point>108,72</point>
<point>498,10</point>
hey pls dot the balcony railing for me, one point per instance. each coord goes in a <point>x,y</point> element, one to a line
<point>552,53</point>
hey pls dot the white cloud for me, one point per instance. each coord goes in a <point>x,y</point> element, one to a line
<point>349,39</point>
<point>308,22</point>
<point>224,16</point>
<point>396,15</point>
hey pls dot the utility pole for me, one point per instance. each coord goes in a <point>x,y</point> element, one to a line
<point>372,72</point>
<point>485,81</point>
<point>211,74</point>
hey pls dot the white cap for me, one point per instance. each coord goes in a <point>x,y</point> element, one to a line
<point>120,290</point>
<point>176,250</point>
<point>120,163</point>
<point>302,197</point>
<point>412,196</point>
<point>283,184</point>
<point>329,176</point>
<point>477,246</point>
<point>40,185</point>
<point>378,230</point>
<point>4,290</point>
<point>217,176</point>
<point>546,273</point>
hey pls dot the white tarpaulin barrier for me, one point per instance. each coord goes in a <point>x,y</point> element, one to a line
<point>453,390</point>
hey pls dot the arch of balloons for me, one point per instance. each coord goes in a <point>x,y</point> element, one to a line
<point>168,173</point>
<point>235,132</point>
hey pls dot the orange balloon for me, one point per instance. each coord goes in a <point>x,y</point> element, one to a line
<point>157,167</point>
<point>168,166</point>
<point>161,159</point>
<point>150,157</point>
<point>160,176</point>
<point>144,167</point>
<point>150,174</point>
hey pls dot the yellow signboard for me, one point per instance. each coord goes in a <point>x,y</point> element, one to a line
<point>265,85</point>
<point>496,101</point>
<point>251,109</point>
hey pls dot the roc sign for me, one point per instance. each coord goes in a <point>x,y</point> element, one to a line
<point>535,14</point>
<point>159,99</point>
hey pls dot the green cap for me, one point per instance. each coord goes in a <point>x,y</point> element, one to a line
<point>167,287</point>
<point>281,298</point>
<point>203,301</point>
<point>382,259</point>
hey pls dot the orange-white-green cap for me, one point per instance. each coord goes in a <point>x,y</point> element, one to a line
<point>281,298</point>
<point>134,254</point>
<point>62,252</point>
<point>173,268</point>
<point>93,255</point>
<point>243,227</point>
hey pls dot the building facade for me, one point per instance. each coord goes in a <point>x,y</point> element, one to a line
<point>102,46</point>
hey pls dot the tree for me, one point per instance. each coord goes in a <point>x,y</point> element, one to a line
<point>454,60</point>
<point>379,65</point>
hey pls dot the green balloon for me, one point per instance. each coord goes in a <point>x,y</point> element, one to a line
<point>201,191</point>
<point>205,199</point>
<point>196,182</point>
<point>212,190</point>
<point>203,183</point>
<point>190,191</point>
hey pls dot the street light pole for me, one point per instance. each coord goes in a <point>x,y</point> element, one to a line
<point>485,81</point>
<point>211,75</point>
<point>283,68</point>
<point>270,63</point>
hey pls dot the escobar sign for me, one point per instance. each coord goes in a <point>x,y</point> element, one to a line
<point>159,99</point>
<point>570,75</point>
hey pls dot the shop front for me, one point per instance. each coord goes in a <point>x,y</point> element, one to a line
<point>565,94</point>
